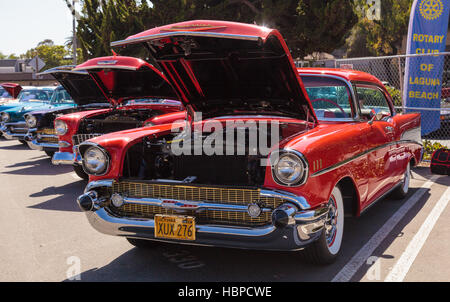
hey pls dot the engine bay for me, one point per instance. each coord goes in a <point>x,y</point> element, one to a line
<point>116,120</point>
<point>235,155</point>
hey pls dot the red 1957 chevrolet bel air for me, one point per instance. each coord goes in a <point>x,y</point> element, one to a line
<point>278,159</point>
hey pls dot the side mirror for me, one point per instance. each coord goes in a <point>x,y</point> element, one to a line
<point>376,116</point>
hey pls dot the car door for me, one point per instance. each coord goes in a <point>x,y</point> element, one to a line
<point>381,147</point>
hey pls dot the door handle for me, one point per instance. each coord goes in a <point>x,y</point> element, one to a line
<point>389,129</point>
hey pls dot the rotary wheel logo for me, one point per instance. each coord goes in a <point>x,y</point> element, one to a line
<point>431,9</point>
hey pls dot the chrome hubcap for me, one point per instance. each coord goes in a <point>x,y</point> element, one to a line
<point>331,222</point>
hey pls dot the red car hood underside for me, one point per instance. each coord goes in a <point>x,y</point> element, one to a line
<point>12,88</point>
<point>222,68</point>
<point>123,78</point>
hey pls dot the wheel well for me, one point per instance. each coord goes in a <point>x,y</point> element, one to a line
<point>350,196</point>
<point>412,161</point>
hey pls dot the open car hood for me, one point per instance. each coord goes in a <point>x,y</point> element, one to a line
<point>124,78</point>
<point>12,88</point>
<point>221,68</point>
<point>79,84</point>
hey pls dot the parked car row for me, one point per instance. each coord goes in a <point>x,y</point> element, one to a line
<point>222,141</point>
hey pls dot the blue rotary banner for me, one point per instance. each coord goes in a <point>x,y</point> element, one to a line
<point>427,34</point>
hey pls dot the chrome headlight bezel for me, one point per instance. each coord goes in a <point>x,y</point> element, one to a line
<point>61,127</point>
<point>31,121</point>
<point>95,153</point>
<point>289,156</point>
<point>5,117</point>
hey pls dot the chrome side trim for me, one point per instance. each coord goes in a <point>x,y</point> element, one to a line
<point>182,33</point>
<point>340,164</point>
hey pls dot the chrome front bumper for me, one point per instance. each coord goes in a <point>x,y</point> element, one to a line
<point>66,158</point>
<point>300,228</point>
<point>8,130</point>
<point>33,143</point>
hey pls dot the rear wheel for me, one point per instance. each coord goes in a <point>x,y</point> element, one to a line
<point>326,249</point>
<point>140,243</point>
<point>402,190</point>
<point>80,172</point>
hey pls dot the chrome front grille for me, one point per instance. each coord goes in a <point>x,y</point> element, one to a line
<point>234,196</point>
<point>47,135</point>
<point>79,138</point>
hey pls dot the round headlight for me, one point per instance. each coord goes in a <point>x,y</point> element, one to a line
<point>289,169</point>
<point>95,161</point>
<point>5,117</point>
<point>60,127</point>
<point>31,121</point>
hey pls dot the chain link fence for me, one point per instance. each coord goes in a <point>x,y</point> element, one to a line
<point>391,70</point>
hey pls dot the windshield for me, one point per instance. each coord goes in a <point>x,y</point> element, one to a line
<point>330,98</point>
<point>61,96</point>
<point>27,95</point>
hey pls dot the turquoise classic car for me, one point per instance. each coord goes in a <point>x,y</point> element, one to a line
<point>13,125</point>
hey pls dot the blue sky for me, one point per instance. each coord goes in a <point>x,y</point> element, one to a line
<point>24,23</point>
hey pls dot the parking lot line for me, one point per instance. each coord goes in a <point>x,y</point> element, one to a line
<point>401,268</point>
<point>360,258</point>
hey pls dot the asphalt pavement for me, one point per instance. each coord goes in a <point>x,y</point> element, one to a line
<point>45,237</point>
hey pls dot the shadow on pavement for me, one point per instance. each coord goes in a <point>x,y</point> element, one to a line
<point>18,146</point>
<point>40,166</point>
<point>65,199</point>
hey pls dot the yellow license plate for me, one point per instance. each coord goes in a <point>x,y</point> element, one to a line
<point>175,227</point>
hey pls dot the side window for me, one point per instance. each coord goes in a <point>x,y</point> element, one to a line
<point>372,98</point>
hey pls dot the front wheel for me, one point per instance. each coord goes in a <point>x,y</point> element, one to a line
<point>326,249</point>
<point>80,172</point>
<point>23,142</point>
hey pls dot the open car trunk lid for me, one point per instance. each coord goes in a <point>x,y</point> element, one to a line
<point>13,89</point>
<point>222,68</point>
<point>124,78</point>
<point>79,84</point>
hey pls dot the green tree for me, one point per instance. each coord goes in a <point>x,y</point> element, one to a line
<point>104,21</point>
<point>307,25</point>
<point>52,55</point>
<point>384,36</point>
